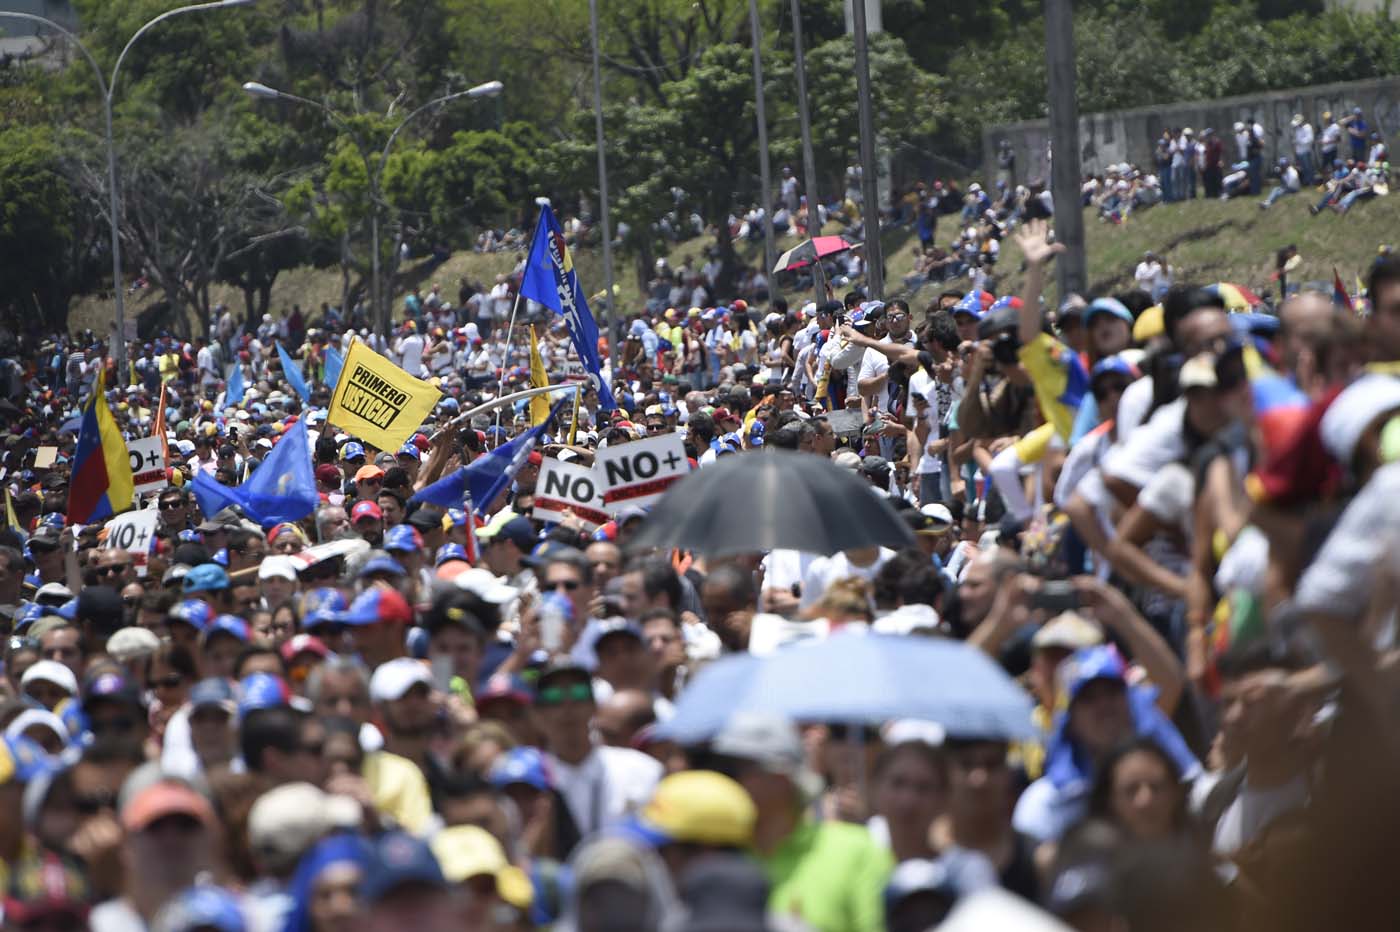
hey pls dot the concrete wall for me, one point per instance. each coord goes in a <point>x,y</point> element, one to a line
<point>1129,135</point>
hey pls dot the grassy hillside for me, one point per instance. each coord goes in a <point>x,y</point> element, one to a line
<point>1205,241</point>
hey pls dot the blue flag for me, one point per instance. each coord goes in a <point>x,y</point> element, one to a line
<point>292,373</point>
<point>334,362</point>
<point>485,477</point>
<point>550,279</point>
<point>282,488</point>
<point>233,394</point>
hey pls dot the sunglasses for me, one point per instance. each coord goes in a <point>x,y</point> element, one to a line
<point>568,585</point>
<point>171,506</point>
<point>558,695</point>
<point>169,681</point>
<point>113,569</point>
<point>369,481</point>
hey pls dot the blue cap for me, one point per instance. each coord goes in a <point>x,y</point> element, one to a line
<point>377,604</point>
<point>381,564</point>
<point>205,578</point>
<point>399,859</point>
<point>213,690</point>
<point>448,404</point>
<point>192,612</point>
<point>261,691</point>
<point>221,557</point>
<point>458,517</point>
<point>322,605</point>
<point>1252,322</point>
<point>403,537</point>
<point>408,449</point>
<point>521,765</point>
<point>1113,364</point>
<point>352,449</point>
<point>67,611</point>
<point>1089,664</point>
<point>22,760</point>
<point>1108,306</point>
<point>203,907</point>
<point>450,552</point>
<point>971,304</point>
<point>227,624</point>
<point>27,615</point>
<point>188,536</point>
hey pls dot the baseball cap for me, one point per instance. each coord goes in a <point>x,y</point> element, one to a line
<point>467,851</point>
<point>393,679</point>
<point>53,593</point>
<point>303,644</point>
<point>613,627</point>
<point>165,798</point>
<point>428,518</point>
<point>51,671</point>
<point>1111,306</point>
<point>226,624</point>
<point>381,563</point>
<point>521,765</point>
<point>327,473</point>
<point>847,459</point>
<point>518,530</point>
<point>213,691</point>
<point>408,449</point>
<point>192,612</point>
<point>352,451</point>
<point>261,691</point>
<point>366,509</point>
<point>22,760</point>
<point>972,304</point>
<point>506,686</point>
<point>1089,664</point>
<point>1114,364</point>
<point>287,820</point>
<point>1355,409</point>
<point>377,604</point>
<point>322,605</point>
<point>698,807</point>
<point>403,538</point>
<point>201,907</point>
<point>398,859</point>
<point>112,687</point>
<point>1067,630</point>
<point>368,472</point>
<point>278,566</point>
<point>450,552</point>
<point>207,577</point>
<point>128,644</point>
<point>772,742</point>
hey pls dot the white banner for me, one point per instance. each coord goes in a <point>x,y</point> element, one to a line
<point>147,464</point>
<point>569,486</point>
<point>134,531</point>
<point>638,473</point>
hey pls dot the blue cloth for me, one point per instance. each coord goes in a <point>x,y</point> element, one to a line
<point>282,488</point>
<point>337,849</point>
<point>481,480</point>
<point>233,394</point>
<point>292,373</point>
<point>550,279</point>
<point>333,365</point>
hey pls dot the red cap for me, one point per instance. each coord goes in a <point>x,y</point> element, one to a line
<point>420,440</point>
<point>535,458</point>
<point>327,473</point>
<point>304,644</point>
<point>162,799</point>
<point>366,510</point>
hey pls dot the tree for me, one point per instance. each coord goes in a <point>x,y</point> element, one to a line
<point>36,230</point>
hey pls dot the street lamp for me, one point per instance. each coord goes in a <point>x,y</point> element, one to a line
<point>373,172</point>
<point>108,89</point>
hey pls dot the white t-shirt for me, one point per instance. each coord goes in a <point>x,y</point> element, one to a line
<point>499,305</point>
<point>1153,445</point>
<point>1253,810</point>
<point>411,353</point>
<point>824,571</point>
<point>1133,407</point>
<point>783,569</point>
<point>610,783</point>
<point>926,386</point>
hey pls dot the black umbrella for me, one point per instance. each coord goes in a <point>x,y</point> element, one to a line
<point>750,502</point>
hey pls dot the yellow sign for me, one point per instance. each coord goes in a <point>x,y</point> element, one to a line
<point>539,405</point>
<point>377,401</point>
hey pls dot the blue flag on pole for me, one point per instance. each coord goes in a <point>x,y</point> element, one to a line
<point>233,393</point>
<point>292,372</point>
<point>550,279</point>
<point>282,488</point>
<point>485,477</point>
<point>334,362</point>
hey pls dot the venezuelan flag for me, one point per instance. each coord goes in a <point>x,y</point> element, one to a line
<point>1280,406</point>
<point>101,483</point>
<point>1339,292</point>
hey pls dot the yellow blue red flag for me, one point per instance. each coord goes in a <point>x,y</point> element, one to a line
<point>101,484</point>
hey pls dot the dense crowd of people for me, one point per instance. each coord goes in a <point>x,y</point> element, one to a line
<point>1171,524</point>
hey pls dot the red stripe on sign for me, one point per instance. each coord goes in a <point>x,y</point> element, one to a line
<point>587,514</point>
<point>141,478</point>
<point>638,491</point>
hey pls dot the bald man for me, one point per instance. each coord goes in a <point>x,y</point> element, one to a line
<point>622,715</point>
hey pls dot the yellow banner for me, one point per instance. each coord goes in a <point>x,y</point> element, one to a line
<point>539,405</point>
<point>377,401</point>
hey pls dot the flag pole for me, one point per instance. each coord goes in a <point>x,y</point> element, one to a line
<point>508,399</point>
<point>505,360</point>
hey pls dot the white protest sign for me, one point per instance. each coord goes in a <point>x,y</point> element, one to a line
<point>147,464</point>
<point>637,473</point>
<point>569,486</point>
<point>134,531</point>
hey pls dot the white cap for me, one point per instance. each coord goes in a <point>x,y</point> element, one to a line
<point>51,671</point>
<point>485,585</point>
<point>1355,409</point>
<point>286,821</point>
<point>278,566</point>
<point>396,677</point>
<point>132,644</point>
<point>1069,630</point>
<point>31,717</point>
<point>938,512</point>
<point>847,459</point>
<point>54,590</point>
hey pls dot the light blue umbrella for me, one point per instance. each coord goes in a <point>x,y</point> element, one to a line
<point>858,678</point>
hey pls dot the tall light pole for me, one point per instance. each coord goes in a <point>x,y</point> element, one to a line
<point>765,181</point>
<point>108,89</point>
<point>809,162</point>
<point>870,191</point>
<point>374,171</point>
<point>604,216</point>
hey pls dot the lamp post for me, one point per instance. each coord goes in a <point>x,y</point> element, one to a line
<point>108,89</point>
<point>374,171</point>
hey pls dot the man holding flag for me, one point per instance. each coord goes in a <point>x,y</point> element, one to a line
<point>550,279</point>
